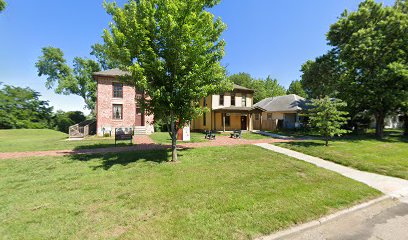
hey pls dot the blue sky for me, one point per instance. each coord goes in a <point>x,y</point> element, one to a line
<point>264,37</point>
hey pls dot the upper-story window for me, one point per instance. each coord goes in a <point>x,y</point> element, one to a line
<point>244,100</point>
<point>232,99</point>
<point>117,90</point>
<point>221,100</point>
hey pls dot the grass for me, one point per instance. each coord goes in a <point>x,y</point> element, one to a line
<point>214,193</point>
<point>364,152</point>
<point>164,137</point>
<point>45,139</point>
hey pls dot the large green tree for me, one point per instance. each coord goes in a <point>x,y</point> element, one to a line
<point>65,80</point>
<point>172,50</point>
<point>296,87</point>
<point>326,116</point>
<point>320,77</point>
<point>372,47</point>
<point>23,108</point>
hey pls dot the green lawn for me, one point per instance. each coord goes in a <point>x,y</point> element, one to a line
<point>45,139</point>
<point>235,192</point>
<point>387,157</point>
<point>164,137</point>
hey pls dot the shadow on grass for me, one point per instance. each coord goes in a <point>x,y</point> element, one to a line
<point>108,160</point>
<point>102,145</point>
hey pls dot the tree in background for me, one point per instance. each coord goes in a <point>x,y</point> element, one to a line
<point>22,108</point>
<point>77,80</point>
<point>263,88</point>
<point>325,115</point>
<point>2,5</point>
<point>63,120</point>
<point>296,87</point>
<point>172,49</point>
<point>372,50</point>
<point>321,77</point>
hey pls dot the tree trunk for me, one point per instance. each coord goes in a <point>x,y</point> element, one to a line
<point>379,125</point>
<point>405,124</point>
<point>173,140</point>
<point>326,139</point>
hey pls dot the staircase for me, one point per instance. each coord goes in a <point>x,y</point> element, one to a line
<point>140,130</point>
<point>82,129</point>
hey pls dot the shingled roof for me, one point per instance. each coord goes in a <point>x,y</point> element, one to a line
<point>287,103</point>
<point>115,72</point>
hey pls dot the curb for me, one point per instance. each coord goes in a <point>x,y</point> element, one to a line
<point>322,220</point>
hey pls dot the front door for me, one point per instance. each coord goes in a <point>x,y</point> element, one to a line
<point>243,122</point>
<point>139,119</point>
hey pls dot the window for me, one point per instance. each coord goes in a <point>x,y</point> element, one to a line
<point>269,116</point>
<point>232,99</point>
<point>117,111</point>
<point>257,116</point>
<point>221,100</point>
<point>138,111</point>
<point>117,90</point>
<point>204,119</point>
<point>244,100</point>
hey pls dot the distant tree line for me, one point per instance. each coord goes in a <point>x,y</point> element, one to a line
<point>23,108</point>
<point>265,88</point>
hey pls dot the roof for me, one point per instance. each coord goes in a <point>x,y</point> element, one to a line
<point>233,108</point>
<point>238,87</point>
<point>287,103</point>
<point>115,72</point>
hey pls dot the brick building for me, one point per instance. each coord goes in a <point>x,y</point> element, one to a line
<point>116,105</point>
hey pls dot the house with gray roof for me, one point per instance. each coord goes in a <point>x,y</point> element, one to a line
<point>278,112</point>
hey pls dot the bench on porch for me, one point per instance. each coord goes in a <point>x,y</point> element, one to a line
<point>209,135</point>
<point>123,134</point>
<point>236,134</point>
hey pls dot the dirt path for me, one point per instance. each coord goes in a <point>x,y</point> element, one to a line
<point>144,143</point>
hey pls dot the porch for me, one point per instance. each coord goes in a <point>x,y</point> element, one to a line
<point>232,118</point>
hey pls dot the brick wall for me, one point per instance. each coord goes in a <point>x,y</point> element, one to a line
<point>104,107</point>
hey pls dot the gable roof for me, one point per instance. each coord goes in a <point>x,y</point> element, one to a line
<point>239,88</point>
<point>287,103</point>
<point>115,72</point>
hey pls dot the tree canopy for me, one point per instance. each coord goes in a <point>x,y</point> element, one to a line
<point>373,52</point>
<point>296,87</point>
<point>263,88</point>
<point>321,77</point>
<point>77,80</point>
<point>23,108</point>
<point>2,5</point>
<point>172,49</point>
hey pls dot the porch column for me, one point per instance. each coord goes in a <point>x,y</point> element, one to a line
<point>297,121</point>
<point>249,121</point>
<point>215,121</point>
<point>223,120</point>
